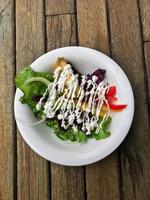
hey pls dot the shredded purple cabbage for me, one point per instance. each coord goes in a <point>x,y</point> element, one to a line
<point>100,73</point>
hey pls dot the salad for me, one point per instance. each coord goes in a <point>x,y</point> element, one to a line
<point>77,107</point>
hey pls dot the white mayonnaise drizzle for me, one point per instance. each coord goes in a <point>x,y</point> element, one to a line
<point>66,97</point>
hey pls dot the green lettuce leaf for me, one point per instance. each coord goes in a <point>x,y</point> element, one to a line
<point>103,133</point>
<point>78,136</point>
<point>31,89</point>
<point>69,134</point>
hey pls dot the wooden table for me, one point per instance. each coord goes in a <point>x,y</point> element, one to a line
<point>120,29</point>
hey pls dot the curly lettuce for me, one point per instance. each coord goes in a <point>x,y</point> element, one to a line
<point>33,90</point>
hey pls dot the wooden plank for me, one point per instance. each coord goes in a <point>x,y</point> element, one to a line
<point>145,18</point>
<point>55,7</point>
<point>61,31</point>
<point>7,130</point>
<point>92,24</point>
<point>33,172</point>
<point>147,60</point>
<point>127,51</point>
<point>67,182</point>
<point>92,27</point>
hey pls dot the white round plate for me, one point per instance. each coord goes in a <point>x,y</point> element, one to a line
<point>41,138</point>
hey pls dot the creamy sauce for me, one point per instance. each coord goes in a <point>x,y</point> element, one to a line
<point>66,97</point>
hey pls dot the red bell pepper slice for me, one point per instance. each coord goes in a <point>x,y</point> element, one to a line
<point>111,99</point>
<point>111,91</point>
<point>117,107</point>
<point>110,94</point>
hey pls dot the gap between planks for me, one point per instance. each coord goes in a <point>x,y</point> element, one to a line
<point>77,40</point>
<point>147,65</point>
<point>70,13</point>
<point>45,49</point>
<point>146,41</point>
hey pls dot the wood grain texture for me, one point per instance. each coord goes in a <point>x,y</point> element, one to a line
<point>92,24</point>
<point>66,182</point>
<point>127,51</point>
<point>55,7</point>
<point>101,177</point>
<point>147,60</point>
<point>145,18</point>
<point>7,129</point>
<point>61,31</point>
<point>33,173</point>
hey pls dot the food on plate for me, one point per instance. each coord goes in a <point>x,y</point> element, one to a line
<point>75,106</point>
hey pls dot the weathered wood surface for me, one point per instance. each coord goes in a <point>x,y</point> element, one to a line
<point>93,32</point>
<point>61,31</point>
<point>66,182</point>
<point>127,50</point>
<point>92,24</point>
<point>7,126</point>
<point>27,30</point>
<point>145,18</point>
<point>56,7</point>
<point>32,170</point>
